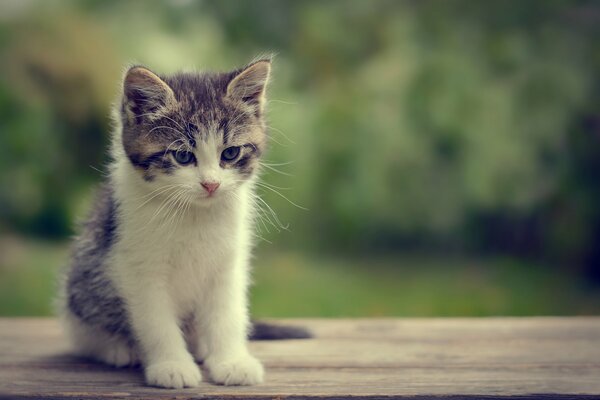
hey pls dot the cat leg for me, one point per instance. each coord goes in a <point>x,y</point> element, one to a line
<point>222,325</point>
<point>166,359</point>
<point>102,346</point>
<point>191,336</point>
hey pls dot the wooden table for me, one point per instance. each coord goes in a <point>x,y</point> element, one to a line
<point>366,358</point>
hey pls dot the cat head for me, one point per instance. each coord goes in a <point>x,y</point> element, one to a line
<point>202,132</point>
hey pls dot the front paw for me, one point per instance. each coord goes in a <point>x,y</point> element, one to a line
<point>173,374</point>
<point>244,370</point>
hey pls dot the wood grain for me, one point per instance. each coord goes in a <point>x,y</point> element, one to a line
<point>364,358</point>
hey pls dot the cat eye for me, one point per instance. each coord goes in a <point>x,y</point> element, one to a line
<point>183,157</point>
<point>230,153</point>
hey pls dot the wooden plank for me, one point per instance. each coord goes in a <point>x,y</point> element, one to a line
<point>365,358</point>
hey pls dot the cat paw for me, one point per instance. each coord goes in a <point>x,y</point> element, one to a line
<point>173,374</point>
<point>245,370</point>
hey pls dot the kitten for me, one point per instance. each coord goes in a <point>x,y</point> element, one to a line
<point>160,271</point>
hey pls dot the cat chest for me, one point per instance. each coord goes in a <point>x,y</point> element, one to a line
<point>196,265</point>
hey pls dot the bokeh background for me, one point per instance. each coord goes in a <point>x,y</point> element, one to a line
<point>440,158</point>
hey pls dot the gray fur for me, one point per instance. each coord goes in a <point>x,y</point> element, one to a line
<point>91,296</point>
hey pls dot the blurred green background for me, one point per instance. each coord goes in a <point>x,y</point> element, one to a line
<point>445,154</point>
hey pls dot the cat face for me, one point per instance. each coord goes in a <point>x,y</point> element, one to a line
<point>201,134</point>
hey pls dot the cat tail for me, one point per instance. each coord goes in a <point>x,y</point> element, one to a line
<point>267,331</point>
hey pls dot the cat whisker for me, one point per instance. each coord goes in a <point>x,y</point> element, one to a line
<point>175,122</point>
<point>276,187</point>
<point>272,164</point>
<point>273,213</point>
<point>180,208</point>
<point>103,173</point>
<point>279,131</point>
<point>173,205</point>
<point>184,145</point>
<point>165,203</point>
<point>156,190</point>
<point>153,114</point>
<point>163,127</point>
<point>282,196</point>
<point>172,144</point>
<point>282,102</point>
<point>259,217</point>
<point>155,193</point>
<point>267,166</point>
<point>263,216</point>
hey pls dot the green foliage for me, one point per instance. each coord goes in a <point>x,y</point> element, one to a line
<point>291,285</point>
<point>29,273</point>
<point>437,124</point>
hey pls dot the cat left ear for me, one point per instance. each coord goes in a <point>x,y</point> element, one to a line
<point>144,93</point>
<point>250,84</point>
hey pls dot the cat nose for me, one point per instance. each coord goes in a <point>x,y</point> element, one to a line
<point>210,187</point>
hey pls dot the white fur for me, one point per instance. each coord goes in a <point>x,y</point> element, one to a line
<point>171,263</point>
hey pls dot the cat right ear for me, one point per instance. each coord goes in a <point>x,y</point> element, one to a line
<point>249,84</point>
<point>144,93</point>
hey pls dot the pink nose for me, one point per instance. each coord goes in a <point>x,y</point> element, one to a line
<point>210,187</point>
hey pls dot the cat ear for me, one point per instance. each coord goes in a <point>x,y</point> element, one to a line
<point>249,85</point>
<point>144,93</point>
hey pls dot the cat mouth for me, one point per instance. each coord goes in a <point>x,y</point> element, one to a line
<point>210,196</point>
<point>205,198</point>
